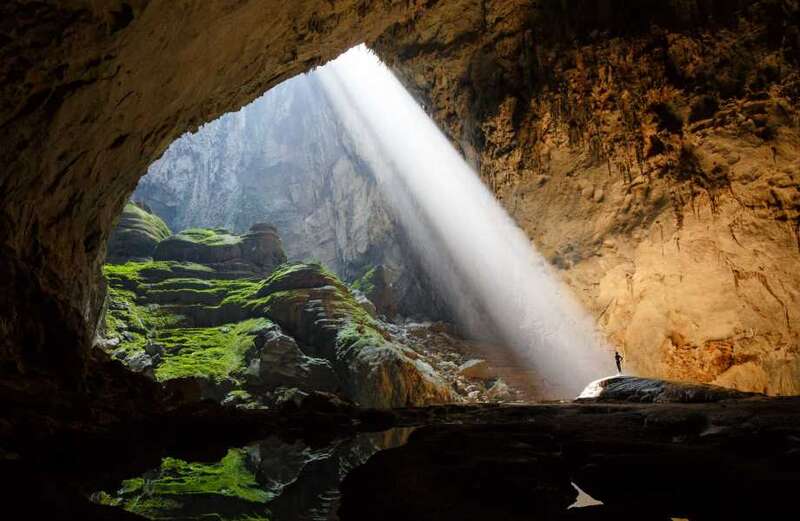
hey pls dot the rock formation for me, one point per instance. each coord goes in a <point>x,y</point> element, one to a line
<point>136,235</point>
<point>260,249</point>
<point>222,316</point>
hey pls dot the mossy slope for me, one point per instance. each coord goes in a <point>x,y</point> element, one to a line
<point>204,326</point>
<point>137,233</point>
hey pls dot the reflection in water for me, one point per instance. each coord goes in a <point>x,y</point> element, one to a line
<point>271,479</point>
<point>583,499</point>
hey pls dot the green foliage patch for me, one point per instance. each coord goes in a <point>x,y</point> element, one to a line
<point>366,282</point>
<point>213,352</point>
<point>150,224</point>
<point>209,236</point>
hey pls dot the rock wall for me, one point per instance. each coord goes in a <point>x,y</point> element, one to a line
<point>651,150</point>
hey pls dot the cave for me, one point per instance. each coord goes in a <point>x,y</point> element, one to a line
<point>648,150</point>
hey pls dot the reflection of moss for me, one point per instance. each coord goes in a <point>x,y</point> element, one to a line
<point>169,490</point>
<point>214,352</point>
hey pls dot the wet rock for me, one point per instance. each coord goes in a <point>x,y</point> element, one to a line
<point>649,390</point>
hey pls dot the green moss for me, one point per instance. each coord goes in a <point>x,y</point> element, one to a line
<point>209,236</point>
<point>214,352</point>
<point>218,352</point>
<point>126,318</point>
<point>366,283</point>
<point>133,273</point>
<point>150,224</point>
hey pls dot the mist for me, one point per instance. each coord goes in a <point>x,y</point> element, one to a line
<point>483,264</point>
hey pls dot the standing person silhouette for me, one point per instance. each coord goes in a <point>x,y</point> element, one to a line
<point>618,359</point>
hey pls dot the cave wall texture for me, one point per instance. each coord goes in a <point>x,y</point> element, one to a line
<point>649,148</point>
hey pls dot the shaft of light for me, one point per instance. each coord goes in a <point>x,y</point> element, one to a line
<point>483,262</point>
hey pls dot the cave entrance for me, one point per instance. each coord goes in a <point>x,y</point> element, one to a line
<point>328,238</point>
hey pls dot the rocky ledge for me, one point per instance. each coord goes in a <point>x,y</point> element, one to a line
<point>214,315</point>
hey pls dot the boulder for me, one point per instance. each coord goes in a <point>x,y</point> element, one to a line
<point>277,361</point>
<point>376,285</point>
<point>200,245</point>
<point>136,235</point>
<point>651,390</point>
<point>380,375</point>
<point>323,315</point>
<point>141,363</point>
<point>263,247</point>
<point>259,251</point>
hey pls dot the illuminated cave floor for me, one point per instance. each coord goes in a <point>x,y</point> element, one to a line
<point>732,459</point>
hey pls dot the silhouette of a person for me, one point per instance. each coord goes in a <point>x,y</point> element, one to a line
<point>618,360</point>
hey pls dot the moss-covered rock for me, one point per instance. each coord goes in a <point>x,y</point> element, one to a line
<point>136,235</point>
<point>324,316</point>
<point>301,327</point>
<point>259,250</point>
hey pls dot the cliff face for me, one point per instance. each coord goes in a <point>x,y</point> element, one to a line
<point>284,160</point>
<point>651,152</point>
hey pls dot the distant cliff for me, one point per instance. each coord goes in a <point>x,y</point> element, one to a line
<point>284,160</point>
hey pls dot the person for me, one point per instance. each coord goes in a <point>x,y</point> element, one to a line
<point>618,360</point>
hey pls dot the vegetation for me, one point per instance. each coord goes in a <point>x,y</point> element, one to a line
<point>145,222</point>
<point>151,302</point>
<point>209,236</point>
<point>132,323</point>
<point>213,352</point>
<point>366,282</point>
<point>132,273</point>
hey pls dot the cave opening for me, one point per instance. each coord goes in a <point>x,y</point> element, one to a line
<point>648,150</point>
<point>329,216</point>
